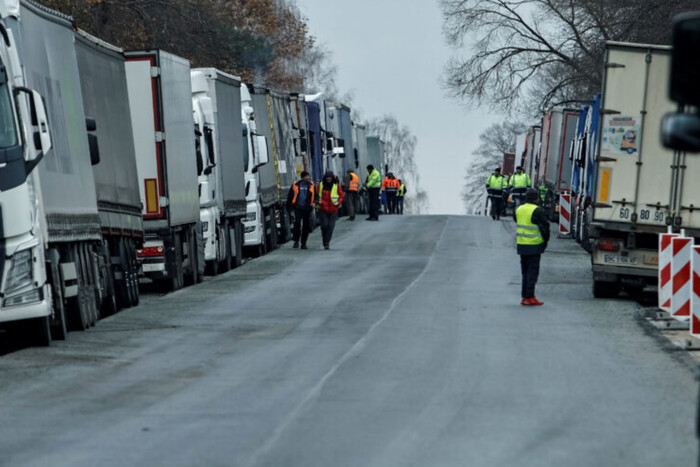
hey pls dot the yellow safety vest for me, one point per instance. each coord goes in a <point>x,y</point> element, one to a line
<point>520,181</point>
<point>495,182</point>
<point>528,233</point>
<point>334,193</point>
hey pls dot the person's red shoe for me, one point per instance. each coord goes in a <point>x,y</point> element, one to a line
<point>526,301</point>
<point>535,302</point>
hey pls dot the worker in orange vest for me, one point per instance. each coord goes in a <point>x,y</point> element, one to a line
<point>351,184</point>
<point>391,187</point>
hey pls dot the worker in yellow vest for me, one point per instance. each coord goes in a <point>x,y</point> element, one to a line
<point>399,197</point>
<point>351,184</point>
<point>495,186</point>
<point>532,231</point>
<point>519,183</point>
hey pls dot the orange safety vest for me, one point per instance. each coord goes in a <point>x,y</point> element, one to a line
<point>354,182</point>
<point>295,187</point>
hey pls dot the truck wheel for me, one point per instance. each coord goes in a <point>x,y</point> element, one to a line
<point>210,269</point>
<point>59,327</point>
<point>191,276</point>
<point>121,275</point>
<point>133,272</point>
<point>78,309</point>
<point>227,259</point>
<point>605,289</point>
<point>38,331</point>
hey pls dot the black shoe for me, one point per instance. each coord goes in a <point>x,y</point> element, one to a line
<point>303,247</point>
<point>369,219</point>
<point>352,218</point>
<point>326,246</point>
<point>493,217</point>
<point>296,245</point>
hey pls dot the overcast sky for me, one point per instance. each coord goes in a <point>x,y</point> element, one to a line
<point>390,54</point>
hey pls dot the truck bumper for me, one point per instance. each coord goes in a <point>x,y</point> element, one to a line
<point>29,310</point>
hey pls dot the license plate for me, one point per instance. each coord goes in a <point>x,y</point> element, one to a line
<point>154,267</point>
<point>612,259</point>
<point>651,259</point>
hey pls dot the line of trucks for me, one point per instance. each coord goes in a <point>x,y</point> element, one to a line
<point>117,166</point>
<point>625,186</point>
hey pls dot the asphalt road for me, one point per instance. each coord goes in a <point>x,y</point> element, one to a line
<point>405,344</point>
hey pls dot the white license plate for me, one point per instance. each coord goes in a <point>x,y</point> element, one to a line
<point>651,259</point>
<point>613,259</point>
<point>153,267</point>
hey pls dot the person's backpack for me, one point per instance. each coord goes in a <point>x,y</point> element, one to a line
<point>303,198</point>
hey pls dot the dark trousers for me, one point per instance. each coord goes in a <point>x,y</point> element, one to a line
<point>496,197</point>
<point>391,201</point>
<point>399,204</point>
<point>302,225</point>
<point>350,203</point>
<point>373,202</point>
<point>519,196</point>
<point>530,268</point>
<point>327,225</point>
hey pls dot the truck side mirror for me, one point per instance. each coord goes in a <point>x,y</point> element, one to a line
<point>681,132</point>
<point>41,135</point>
<point>685,67</point>
<point>261,152</point>
<point>303,145</point>
<point>329,144</point>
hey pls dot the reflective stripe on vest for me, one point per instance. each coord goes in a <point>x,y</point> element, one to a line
<point>528,233</point>
<point>295,187</point>
<point>354,182</point>
<point>402,190</point>
<point>334,193</point>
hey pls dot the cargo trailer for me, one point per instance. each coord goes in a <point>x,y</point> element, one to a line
<point>160,97</point>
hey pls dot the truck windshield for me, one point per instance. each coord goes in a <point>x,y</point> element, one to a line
<point>246,158</point>
<point>8,130</point>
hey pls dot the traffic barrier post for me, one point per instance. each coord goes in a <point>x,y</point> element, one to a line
<point>564,215</point>
<point>682,248</point>
<point>665,255</point>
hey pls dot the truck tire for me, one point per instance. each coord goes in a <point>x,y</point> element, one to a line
<point>59,326</point>
<point>78,312</point>
<point>238,232</point>
<point>133,270</point>
<point>606,289</point>
<point>191,276</point>
<point>285,227</point>
<point>227,261</point>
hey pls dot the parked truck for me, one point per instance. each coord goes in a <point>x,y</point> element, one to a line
<point>640,187</point>
<point>340,126</point>
<point>160,97</point>
<point>106,101</point>
<point>377,157</point>
<point>554,168</point>
<point>300,131</point>
<point>360,160</point>
<point>255,156</point>
<point>216,103</point>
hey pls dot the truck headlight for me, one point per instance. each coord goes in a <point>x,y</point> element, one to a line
<point>20,274</point>
<point>35,295</point>
<point>251,216</point>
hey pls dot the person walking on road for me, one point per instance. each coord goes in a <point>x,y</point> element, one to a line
<point>399,197</point>
<point>495,186</point>
<point>532,230</point>
<point>374,184</point>
<point>351,185</point>
<point>390,186</point>
<point>300,200</point>
<point>330,197</point>
<point>519,183</point>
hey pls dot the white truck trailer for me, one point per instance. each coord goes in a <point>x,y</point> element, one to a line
<point>360,160</point>
<point>216,103</point>
<point>641,188</point>
<point>160,97</point>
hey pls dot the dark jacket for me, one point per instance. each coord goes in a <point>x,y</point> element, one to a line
<point>539,217</point>
<point>303,184</point>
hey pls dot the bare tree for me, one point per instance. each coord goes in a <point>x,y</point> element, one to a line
<point>494,142</point>
<point>551,50</point>
<point>400,146</point>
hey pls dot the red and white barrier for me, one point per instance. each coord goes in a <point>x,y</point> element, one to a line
<point>564,215</point>
<point>665,255</point>
<point>695,293</point>
<point>682,248</point>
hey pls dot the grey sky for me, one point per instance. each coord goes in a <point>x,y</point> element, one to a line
<point>391,53</point>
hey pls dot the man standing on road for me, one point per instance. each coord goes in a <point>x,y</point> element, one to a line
<point>494,186</point>
<point>399,197</point>
<point>532,229</point>
<point>374,184</point>
<point>351,184</point>
<point>301,199</point>
<point>330,197</point>
<point>519,182</point>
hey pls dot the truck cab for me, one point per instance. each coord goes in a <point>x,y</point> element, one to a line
<point>24,140</point>
<point>256,155</point>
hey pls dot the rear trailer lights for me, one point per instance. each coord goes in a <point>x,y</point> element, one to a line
<point>608,245</point>
<point>20,274</point>
<point>151,252</point>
